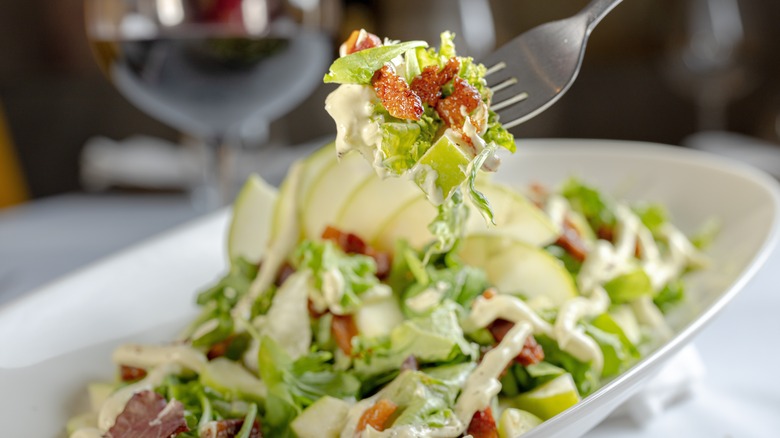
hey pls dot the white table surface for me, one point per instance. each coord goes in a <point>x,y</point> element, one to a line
<point>738,397</point>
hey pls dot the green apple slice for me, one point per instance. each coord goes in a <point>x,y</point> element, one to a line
<point>441,169</point>
<point>378,318</point>
<point>323,419</point>
<point>230,377</point>
<point>516,267</point>
<point>250,227</point>
<point>373,202</point>
<point>410,223</point>
<point>516,422</point>
<point>330,191</point>
<point>551,398</point>
<point>313,167</point>
<point>515,217</point>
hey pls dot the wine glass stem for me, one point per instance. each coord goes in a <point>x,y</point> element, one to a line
<point>216,186</point>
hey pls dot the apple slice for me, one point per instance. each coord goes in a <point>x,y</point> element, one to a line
<point>516,267</point>
<point>373,202</point>
<point>251,224</point>
<point>516,422</point>
<point>549,399</point>
<point>515,217</point>
<point>329,192</point>
<point>410,223</point>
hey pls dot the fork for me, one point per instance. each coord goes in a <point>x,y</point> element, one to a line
<point>531,72</point>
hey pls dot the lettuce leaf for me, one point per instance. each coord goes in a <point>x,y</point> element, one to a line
<point>590,203</point>
<point>359,67</point>
<point>670,296</point>
<point>619,353</point>
<point>295,385</point>
<point>357,271</point>
<point>586,379</point>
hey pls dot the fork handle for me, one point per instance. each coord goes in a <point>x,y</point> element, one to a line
<point>595,11</point>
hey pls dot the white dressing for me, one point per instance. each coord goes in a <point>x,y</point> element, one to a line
<point>572,338</point>
<point>507,307</point>
<point>428,298</point>
<point>482,385</point>
<point>352,106</point>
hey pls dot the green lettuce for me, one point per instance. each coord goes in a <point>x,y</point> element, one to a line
<point>584,376</point>
<point>295,385</point>
<point>435,338</point>
<point>422,399</point>
<point>359,67</point>
<point>670,296</point>
<point>653,216</point>
<point>590,203</point>
<point>357,270</point>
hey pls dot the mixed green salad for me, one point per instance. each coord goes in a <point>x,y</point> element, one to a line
<point>441,305</point>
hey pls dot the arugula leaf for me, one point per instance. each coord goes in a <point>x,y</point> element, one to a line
<point>653,216</point>
<point>497,134</point>
<point>359,67</point>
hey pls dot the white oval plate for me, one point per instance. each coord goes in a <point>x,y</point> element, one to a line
<point>60,337</point>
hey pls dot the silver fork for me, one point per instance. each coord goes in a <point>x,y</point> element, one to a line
<point>531,72</point>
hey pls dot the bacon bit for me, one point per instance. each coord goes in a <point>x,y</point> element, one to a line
<point>352,244</point>
<point>220,348</point>
<point>489,293</point>
<point>343,329</point>
<point>148,415</point>
<point>131,374</point>
<point>230,428</point>
<point>376,416</point>
<point>463,95</point>
<point>571,241</point>
<point>606,232</point>
<point>395,95</point>
<point>428,84</point>
<point>285,271</point>
<point>483,425</point>
<point>355,44</point>
<point>410,363</point>
<point>638,248</point>
<point>531,354</point>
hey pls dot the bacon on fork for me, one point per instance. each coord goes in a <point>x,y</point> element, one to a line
<point>395,94</point>
<point>428,84</point>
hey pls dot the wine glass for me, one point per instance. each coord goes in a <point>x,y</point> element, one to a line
<point>217,70</point>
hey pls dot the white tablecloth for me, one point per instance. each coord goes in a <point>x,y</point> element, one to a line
<point>738,397</point>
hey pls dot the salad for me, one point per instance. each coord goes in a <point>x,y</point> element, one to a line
<point>401,292</point>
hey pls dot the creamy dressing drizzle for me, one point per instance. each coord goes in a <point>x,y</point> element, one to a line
<point>571,337</point>
<point>352,107</point>
<point>482,385</point>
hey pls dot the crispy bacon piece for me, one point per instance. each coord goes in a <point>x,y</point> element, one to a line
<point>343,329</point>
<point>376,416</point>
<point>538,194</point>
<point>230,428</point>
<point>131,374</point>
<point>352,244</point>
<point>532,353</point>
<point>483,425</point>
<point>571,241</point>
<point>220,348</point>
<point>285,271</point>
<point>489,293</point>
<point>428,84</point>
<point>606,232</point>
<point>148,415</point>
<point>356,43</point>
<point>465,96</point>
<point>396,97</point>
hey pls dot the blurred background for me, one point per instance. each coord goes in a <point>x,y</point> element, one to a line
<point>660,70</point>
